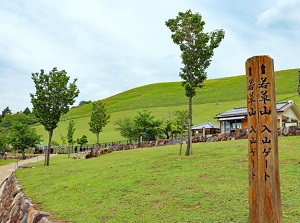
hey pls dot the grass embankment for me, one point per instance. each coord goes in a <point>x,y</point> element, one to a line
<point>163,99</point>
<point>155,185</point>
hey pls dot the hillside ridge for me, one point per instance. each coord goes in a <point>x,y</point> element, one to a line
<point>168,94</point>
<point>163,99</point>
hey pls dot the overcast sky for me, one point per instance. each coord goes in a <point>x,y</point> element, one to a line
<point>112,46</point>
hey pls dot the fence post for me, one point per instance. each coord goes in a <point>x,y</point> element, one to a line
<point>264,184</point>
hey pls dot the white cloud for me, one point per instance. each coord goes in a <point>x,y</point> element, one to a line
<point>283,15</point>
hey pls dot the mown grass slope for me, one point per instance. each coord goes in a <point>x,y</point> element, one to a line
<point>156,185</point>
<point>162,99</point>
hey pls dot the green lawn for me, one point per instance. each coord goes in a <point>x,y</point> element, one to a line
<point>156,185</point>
<point>7,161</point>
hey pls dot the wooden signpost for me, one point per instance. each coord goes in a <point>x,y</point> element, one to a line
<point>299,82</point>
<point>264,184</point>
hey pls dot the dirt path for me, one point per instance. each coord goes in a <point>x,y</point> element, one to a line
<point>7,169</point>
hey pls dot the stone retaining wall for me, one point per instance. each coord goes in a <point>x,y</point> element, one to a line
<point>15,207</point>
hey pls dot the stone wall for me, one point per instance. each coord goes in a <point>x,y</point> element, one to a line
<point>15,207</point>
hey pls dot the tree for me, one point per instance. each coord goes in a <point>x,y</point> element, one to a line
<point>83,140</point>
<point>9,119</point>
<point>197,48</point>
<point>53,97</point>
<point>4,140</point>
<point>181,119</point>
<point>71,130</point>
<point>23,137</point>
<point>5,112</point>
<point>146,126</point>
<point>126,128</point>
<point>27,111</point>
<point>169,128</point>
<point>143,125</point>
<point>84,102</point>
<point>99,119</point>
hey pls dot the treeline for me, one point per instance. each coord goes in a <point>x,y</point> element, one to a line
<point>15,130</point>
<point>145,127</point>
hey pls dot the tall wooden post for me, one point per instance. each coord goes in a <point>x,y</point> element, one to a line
<point>299,82</point>
<point>264,184</point>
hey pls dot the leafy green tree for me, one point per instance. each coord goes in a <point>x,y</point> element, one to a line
<point>4,140</point>
<point>146,126</point>
<point>99,119</point>
<point>9,119</point>
<point>23,137</point>
<point>82,141</point>
<point>63,139</point>
<point>84,102</point>
<point>197,49</point>
<point>70,134</point>
<point>5,112</point>
<point>126,128</point>
<point>53,97</point>
<point>169,128</point>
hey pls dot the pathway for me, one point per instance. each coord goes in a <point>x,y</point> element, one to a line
<point>7,169</point>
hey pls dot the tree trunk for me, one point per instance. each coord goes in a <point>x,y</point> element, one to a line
<point>69,151</point>
<point>47,152</point>
<point>189,143</point>
<point>23,154</point>
<point>181,137</point>
<point>97,135</point>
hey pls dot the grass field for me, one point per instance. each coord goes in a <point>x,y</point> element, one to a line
<point>163,99</point>
<point>156,185</point>
<point>7,161</point>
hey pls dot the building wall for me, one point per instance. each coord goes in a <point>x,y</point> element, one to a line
<point>291,114</point>
<point>244,123</point>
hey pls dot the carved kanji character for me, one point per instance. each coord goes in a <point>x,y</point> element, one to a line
<point>251,98</point>
<point>266,140</point>
<point>265,129</point>
<point>251,85</point>
<point>264,96</point>
<point>252,130</point>
<point>252,112</point>
<point>263,83</point>
<point>265,112</point>
<point>252,141</point>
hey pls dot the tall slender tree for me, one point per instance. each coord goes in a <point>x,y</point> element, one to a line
<point>99,119</point>
<point>71,130</point>
<point>53,97</point>
<point>197,48</point>
<point>181,120</point>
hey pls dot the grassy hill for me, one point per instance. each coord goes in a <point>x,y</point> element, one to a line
<point>162,99</point>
